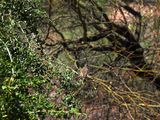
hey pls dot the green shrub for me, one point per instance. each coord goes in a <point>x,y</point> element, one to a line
<point>23,82</point>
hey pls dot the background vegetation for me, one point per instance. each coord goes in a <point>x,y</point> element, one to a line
<point>79,59</point>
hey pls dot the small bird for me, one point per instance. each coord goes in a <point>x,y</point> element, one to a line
<point>83,71</point>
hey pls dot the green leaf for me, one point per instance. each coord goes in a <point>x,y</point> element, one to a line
<point>4,87</point>
<point>74,110</point>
